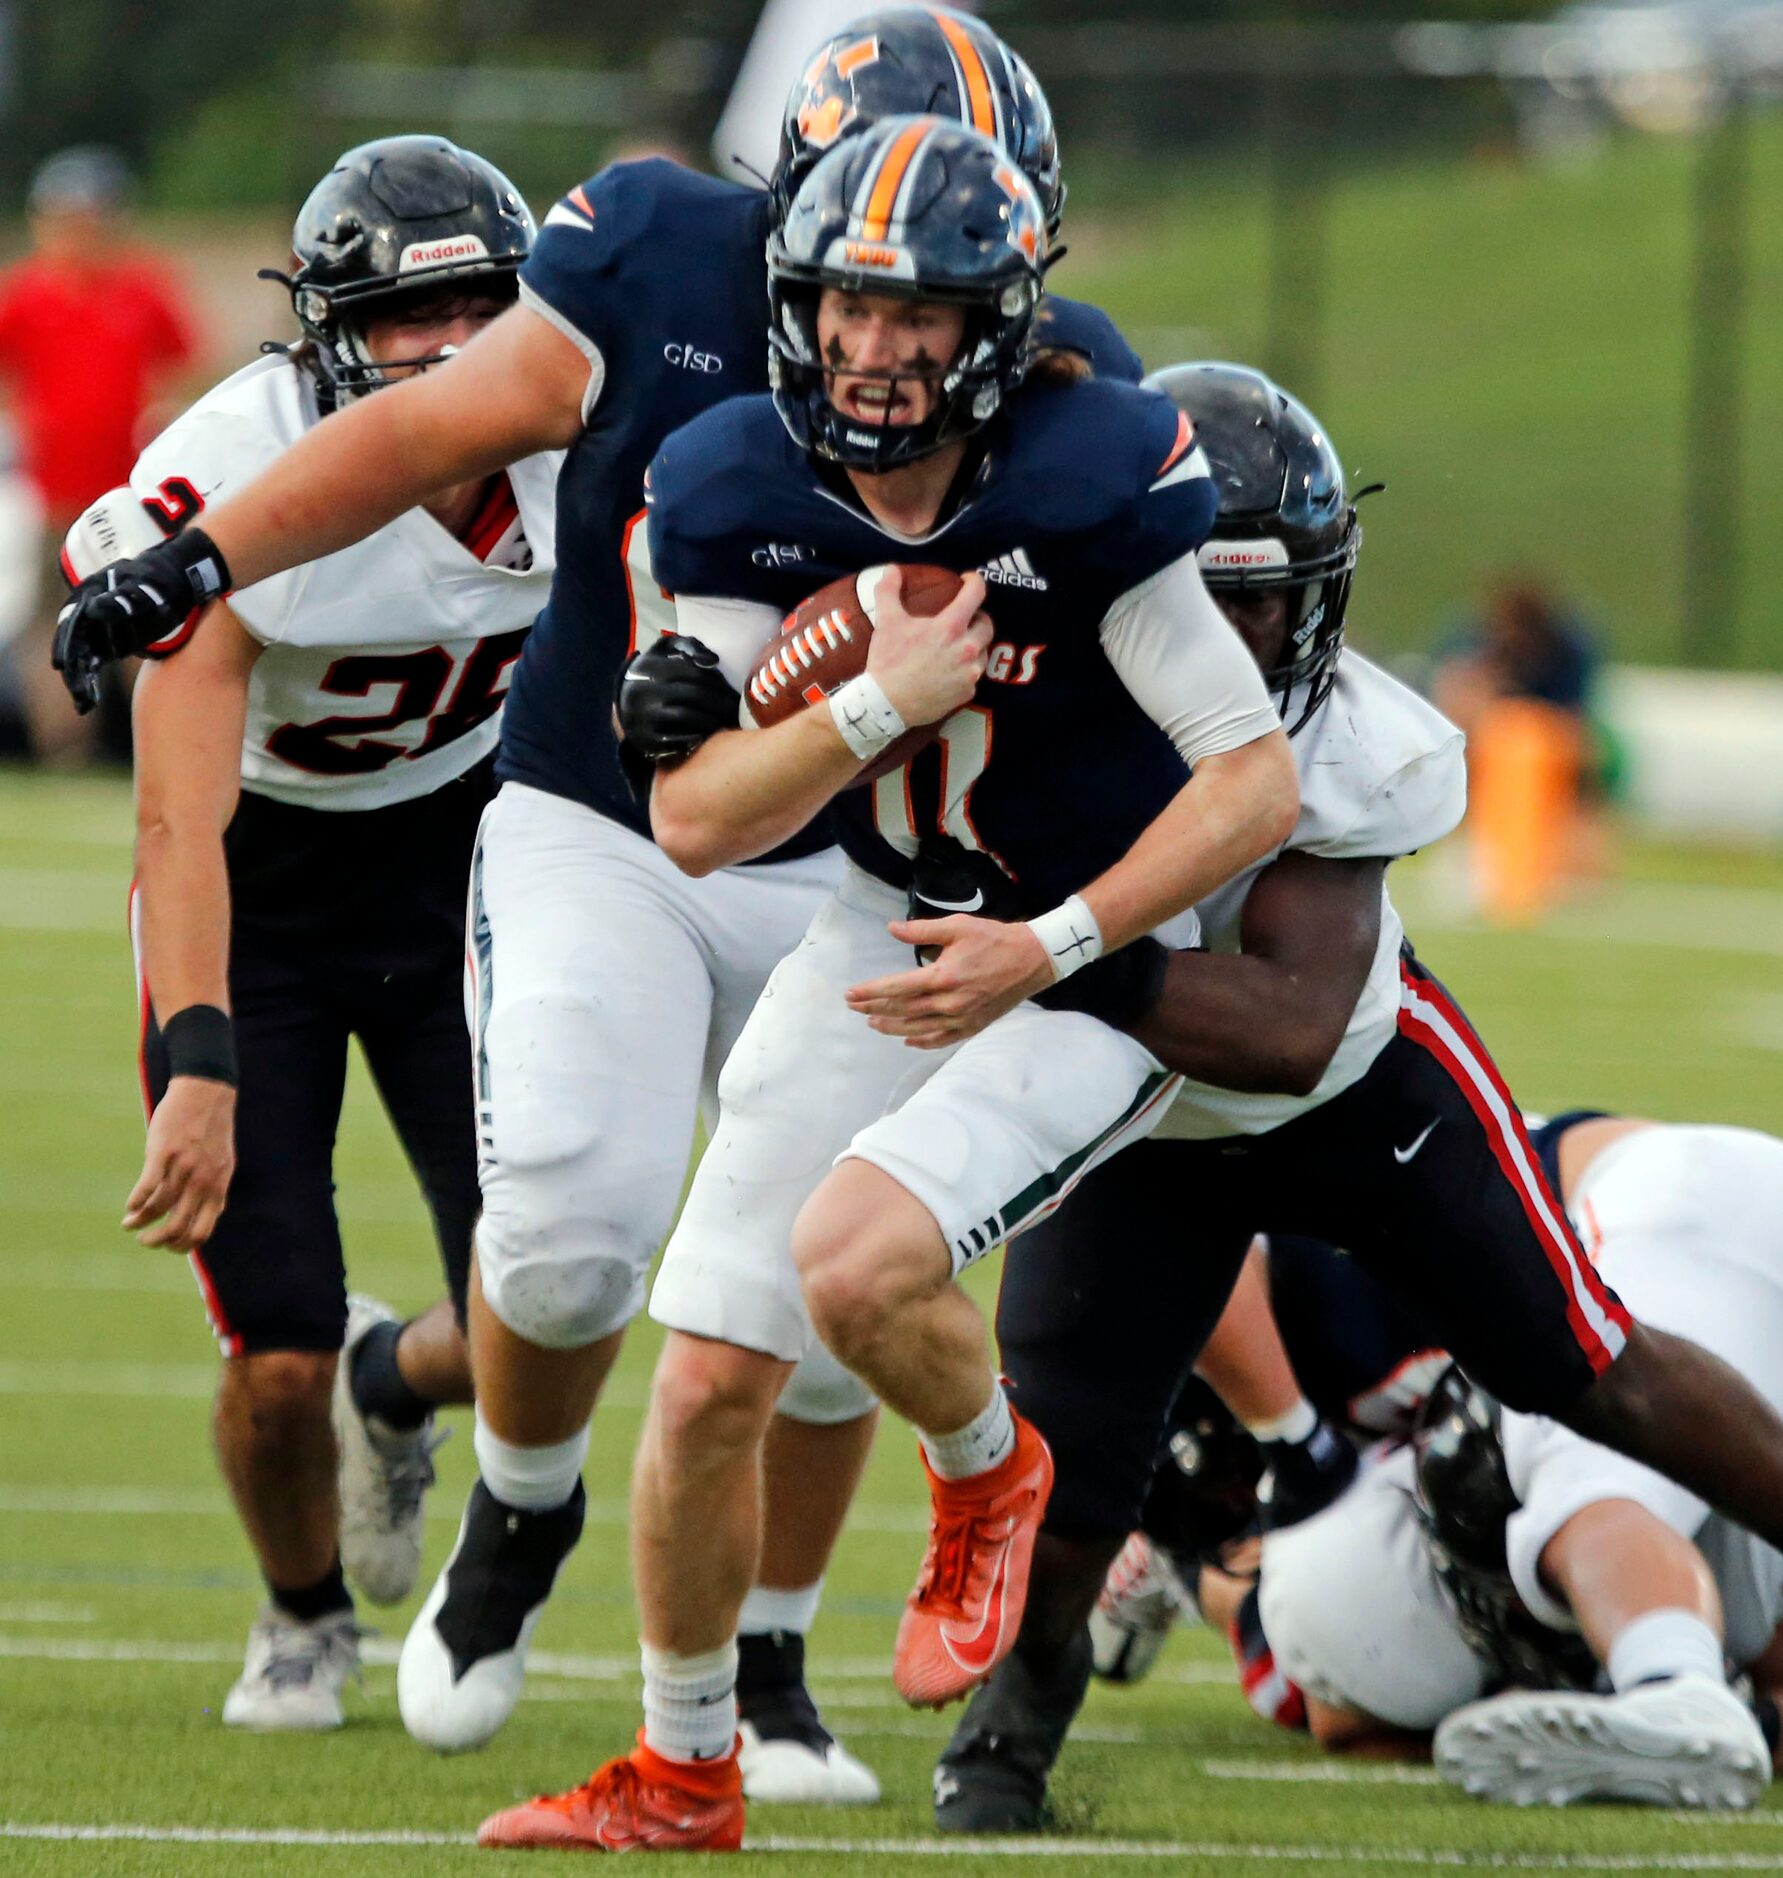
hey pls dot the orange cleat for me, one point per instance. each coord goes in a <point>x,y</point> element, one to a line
<point>643,1803</point>
<point>961,1619</point>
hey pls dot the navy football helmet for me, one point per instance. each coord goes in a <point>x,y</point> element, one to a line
<point>1284,518</point>
<point>396,218</point>
<point>1464,1497</point>
<point>929,210</point>
<point>919,59</point>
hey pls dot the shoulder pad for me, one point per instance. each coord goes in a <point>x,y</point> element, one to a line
<point>114,528</point>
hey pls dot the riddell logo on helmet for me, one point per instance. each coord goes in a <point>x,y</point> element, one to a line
<point>440,253</point>
<point>860,255</point>
<point>1241,556</point>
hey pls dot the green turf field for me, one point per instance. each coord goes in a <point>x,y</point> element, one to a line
<point>125,1590</point>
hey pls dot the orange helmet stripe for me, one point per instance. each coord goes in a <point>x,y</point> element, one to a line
<point>978,81</point>
<point>876,224</point>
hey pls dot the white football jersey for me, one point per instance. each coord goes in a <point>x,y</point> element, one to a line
<point>1381,774</point>
<point>385,664</point>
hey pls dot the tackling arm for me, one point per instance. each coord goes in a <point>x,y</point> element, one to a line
<point>1270,1017</point>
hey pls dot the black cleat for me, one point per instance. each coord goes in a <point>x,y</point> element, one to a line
<point>1301,1478</point>
<point>787,1753</point>
<point>992,1775</point>
<point>464,1659</point>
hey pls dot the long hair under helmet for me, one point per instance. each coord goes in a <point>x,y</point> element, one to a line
<point>924,209</point>
<point>394,219</point>
<point>1284,521</point>
<point>923,59</point>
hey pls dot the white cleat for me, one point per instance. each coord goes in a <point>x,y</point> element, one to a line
<point>294,1674</point>
<point>384,1476</point>
<point>463,1663</point>
<point>1136,1610</point>
<point>1687,1742</point>
<point>796,1773</point>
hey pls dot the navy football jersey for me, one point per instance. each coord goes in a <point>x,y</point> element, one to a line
<point>660,275</point>
<point>1085,491</point>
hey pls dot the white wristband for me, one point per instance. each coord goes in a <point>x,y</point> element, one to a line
<point>1070,935</point>
<point>866,718</point>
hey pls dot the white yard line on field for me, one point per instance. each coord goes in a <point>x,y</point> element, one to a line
<point>1370,1858</point>
<point>1333,1773</point>
<point>563,1665</point>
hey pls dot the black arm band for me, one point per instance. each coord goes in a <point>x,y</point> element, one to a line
<point>200,1041</point>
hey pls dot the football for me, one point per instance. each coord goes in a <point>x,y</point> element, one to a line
<point>823,643</point>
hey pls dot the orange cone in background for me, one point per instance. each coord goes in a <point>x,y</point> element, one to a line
<point>1523,783</point>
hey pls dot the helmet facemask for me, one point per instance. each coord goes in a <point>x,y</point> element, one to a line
<point>336,324</point>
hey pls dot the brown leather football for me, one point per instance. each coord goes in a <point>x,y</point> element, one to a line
<point>823,643</point>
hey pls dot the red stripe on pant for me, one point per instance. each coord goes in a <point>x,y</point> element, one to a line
<point>1543,1209</point>
<point>1271,1693</point>
<point>228,1338</point>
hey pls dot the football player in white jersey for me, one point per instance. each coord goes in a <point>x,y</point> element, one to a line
<point>1333,1089</point>
<point>310,770</point>
<point>1504,1549</point>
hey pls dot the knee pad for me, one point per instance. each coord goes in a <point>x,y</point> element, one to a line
<point>561,1302</point>
<point>820,1391</point>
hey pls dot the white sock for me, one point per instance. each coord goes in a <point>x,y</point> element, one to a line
<point>987,1439</point>
<point>765,1611</point>
<point>1663,1644</point>
<point>690,1703</point>
<point>532,1480</point>
<point>1293,1427</point>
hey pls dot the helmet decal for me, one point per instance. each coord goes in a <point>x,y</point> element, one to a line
<point>827,106</point>
<point>1026,231</point>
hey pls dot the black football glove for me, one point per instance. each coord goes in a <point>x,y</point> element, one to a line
<point>948,877</point>
<point>131,608</point>
<point>672,697</point>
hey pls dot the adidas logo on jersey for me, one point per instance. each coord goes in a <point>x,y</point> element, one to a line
<point>1014,569</point>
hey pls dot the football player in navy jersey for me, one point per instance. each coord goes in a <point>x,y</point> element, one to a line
<point>607,986</point>
<point>1331,1087</point>
<point>902,293</point>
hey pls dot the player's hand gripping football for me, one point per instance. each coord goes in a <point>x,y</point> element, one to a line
<point>982,968</point>
<point>928,667</point>
<point>186,1167</point>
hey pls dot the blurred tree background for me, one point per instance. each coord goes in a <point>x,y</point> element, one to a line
<point>1532,302</point>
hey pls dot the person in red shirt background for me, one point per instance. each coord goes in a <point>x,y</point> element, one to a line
<point>92,332</point>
